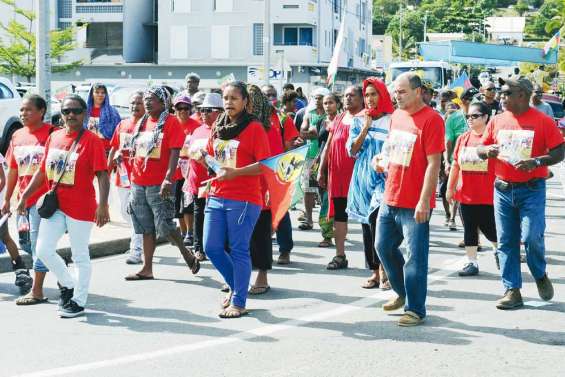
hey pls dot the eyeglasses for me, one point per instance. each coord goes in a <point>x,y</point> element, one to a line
<point>474,116</point>
<point>208,110</point>
<point>182,108</point>
<point>74,110</point>
<point>490,89</point>
<point>506,93</point>
<point>538,93</point>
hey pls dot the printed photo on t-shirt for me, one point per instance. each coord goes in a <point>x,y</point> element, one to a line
<point>400,147</point>
<point>94,125</point>
<point>125,141</point>
<point>184,150</point>
<point>470,161</point>
<point>28,158</point>
<point>225,151</point>
<point>143,145</point>
<point>54,166</point>
<point>195,148</point>
<point>515,145</point>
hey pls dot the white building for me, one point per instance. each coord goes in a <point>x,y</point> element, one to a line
<point>509,30</point>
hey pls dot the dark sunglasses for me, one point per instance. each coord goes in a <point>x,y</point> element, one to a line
<point>538,93</point>
<point>182,108</point>
<point>506,93</point>
<point>74,110</point>
<point>490,89</point>
<point>209,110</point>
<point>474,116</point>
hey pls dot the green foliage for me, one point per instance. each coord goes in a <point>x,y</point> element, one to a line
<point>544,23</point>
<point>521,7</point>
<point>18,49</point>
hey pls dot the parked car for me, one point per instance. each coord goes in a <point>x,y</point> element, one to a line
<point>10,102</point>
<point>556,105</point>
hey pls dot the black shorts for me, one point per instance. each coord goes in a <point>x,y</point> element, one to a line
<point>340,206</point>
<point>182,205</point>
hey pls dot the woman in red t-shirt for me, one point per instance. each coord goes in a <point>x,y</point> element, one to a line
<point>238,142</point>
<point>24,157</point>
<point>101,118</point>
<point>73,157</point>
<point>471,182</point>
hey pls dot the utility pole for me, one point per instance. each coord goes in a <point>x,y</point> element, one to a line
<point>267,40</point>
<point>43,55</point>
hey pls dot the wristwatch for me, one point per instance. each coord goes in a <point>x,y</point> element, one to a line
<point>538,162</point>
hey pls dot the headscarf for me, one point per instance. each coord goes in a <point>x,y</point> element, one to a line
<point>163,95</point>
<point>109,116</point>
<point>261,108</point>
<point>384,105</point>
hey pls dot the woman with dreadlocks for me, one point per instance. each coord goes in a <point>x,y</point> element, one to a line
<point>238,142</point>
<point>155,146</point>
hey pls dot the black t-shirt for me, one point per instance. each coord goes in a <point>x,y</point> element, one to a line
<point>493,107</point>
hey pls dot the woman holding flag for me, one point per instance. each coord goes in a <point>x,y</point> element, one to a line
<point>237,143</point>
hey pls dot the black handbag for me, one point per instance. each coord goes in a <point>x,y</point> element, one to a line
<point>48,204</point>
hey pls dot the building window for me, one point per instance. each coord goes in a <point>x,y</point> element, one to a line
<point>290,6</point>
<point>297,36</point>
<point>65,8</point>
<point>361,47</point>
<point>258,44</point>
<point>5,92</point>
<point>99,9</point>
<point>223,5</point>
<point>104,35</point>
<point>337,6</point>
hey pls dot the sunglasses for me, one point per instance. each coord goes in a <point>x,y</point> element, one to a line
<point>506,93</point>
<point>490,89</point>
<point>474,116</point>
<point>74,110</point>
<point>208,110</point>
<point>182,108</point>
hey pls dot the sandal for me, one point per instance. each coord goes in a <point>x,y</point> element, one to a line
<point>258,290</point>
<point>200,256</point>
<point>226,302</point>
<point>30,300</point>
<point>326,243</point>
<point>338,262</point>
<point>225,288</point>
<point>137,276</point>
<point>306,226</point>
<point>302,217</point>
<point>195,266</point>
<point>370,284</point>
<point>385,285</point>
<point>233,311</point>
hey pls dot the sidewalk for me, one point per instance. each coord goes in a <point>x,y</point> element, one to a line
<point>111,239</point>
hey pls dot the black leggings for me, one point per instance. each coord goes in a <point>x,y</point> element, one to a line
<point>475,217</point>
<point>340,206</point>
<point>261,245</point>
<point>199,206</point>
<point>369,230</point>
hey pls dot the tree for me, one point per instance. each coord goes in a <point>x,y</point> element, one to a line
<point>546,22</point>
<point>17,50</point>
<point>521,7</point>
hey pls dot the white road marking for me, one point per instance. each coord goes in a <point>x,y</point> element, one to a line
<point>448,267</point>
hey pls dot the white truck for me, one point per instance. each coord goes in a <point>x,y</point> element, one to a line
<point>10,102</point>
<point>439,74</point>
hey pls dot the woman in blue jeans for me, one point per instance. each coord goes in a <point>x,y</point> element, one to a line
<point>234,202</point>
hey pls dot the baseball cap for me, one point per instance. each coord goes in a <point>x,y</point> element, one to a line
<point>518,82</point>
<point>182,98</point>
<point>469,93</point>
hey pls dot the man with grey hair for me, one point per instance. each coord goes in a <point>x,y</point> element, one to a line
<point>192,83</point>
<point>414,146</point>
<point>524,142</point>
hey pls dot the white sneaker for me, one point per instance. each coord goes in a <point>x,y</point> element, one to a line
<point>134,259</point>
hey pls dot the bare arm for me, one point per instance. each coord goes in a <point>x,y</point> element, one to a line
<point>307,132</point>
<point>36,182</point>
<point>111,161</point>
<point>422,211</point>
<point>358,143</point>
<point>452,181</point>
<point>231,173</point>
<point>167,185</point>
<point>323,169</point>
<point>102,211</point>
<point>11,181</point>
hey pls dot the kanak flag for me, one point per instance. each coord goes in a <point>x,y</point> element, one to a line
<point>552,43</point>
<point>281,173</point>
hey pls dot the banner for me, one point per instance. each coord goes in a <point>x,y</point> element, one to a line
<point>334,63</point>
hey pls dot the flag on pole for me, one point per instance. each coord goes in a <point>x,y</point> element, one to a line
<point>281,172</point>
<point>334,63</point>
<point>552,43</point>
<point>461,83</point>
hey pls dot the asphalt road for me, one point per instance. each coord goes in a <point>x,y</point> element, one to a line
<point>312,323</point>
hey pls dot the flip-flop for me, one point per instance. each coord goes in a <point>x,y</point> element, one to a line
<point>255,290</point>
<point>325,243</point>
<point>136,277</point>
<point>195,266</point>
<point>233,312</point>
<point>306,226</point>
<point>370,284</point>
<point>30,300</point>
<point>226,302</point>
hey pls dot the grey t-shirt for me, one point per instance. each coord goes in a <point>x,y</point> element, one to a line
<point>545,108</point>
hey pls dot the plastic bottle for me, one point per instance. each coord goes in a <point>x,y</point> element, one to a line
<point>23,224</point>
<point>212,163</point>
<point>123,174</point>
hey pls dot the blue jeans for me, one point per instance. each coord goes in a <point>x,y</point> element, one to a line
<point>408,278</point>
<point>520,216</point>
<point>29,240</point>
<point>232,221</point>
<point>284,235</point>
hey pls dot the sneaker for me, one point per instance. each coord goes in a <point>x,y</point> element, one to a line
<point>410,319</point>
<point>71,310</point>
<point>545,288</point>
<point>452,226</point>
<point>65,297</point>
<point>284,258</point>
<point>188,240</point>
<point>394,304</point>
<point>23,280</point>
<point>134,259</point>
<point>512,300</point>
<point>470,269</point>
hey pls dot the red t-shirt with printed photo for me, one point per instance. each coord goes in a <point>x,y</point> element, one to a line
<point>188,128</point>
<point>412,138</point>
<point>25,154</point>
<point>520,137</point>
<point>121,144</point>
<point>76,195</point>
<point>250,146</point>
<point>94,126</point>
<point>476,176</point>
<point>171,137</point>
<point>198,172</point>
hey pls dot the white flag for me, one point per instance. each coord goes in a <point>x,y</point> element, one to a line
<point>334,63</point>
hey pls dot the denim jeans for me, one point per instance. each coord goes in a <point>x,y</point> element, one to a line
<point>28,240</point>
<point>136,240</point>
<point>284,235</point>
<point>233,221</point>
<point>408,278</point>
<point>520,216</point>
<point>50,231</point>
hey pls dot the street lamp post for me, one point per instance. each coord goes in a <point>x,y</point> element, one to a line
<point>43,55</point>
<point>267,40</point>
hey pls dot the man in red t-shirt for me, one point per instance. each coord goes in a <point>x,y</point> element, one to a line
<point>413,154</point>
<point>155,148</point>
<point>524,142</point>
